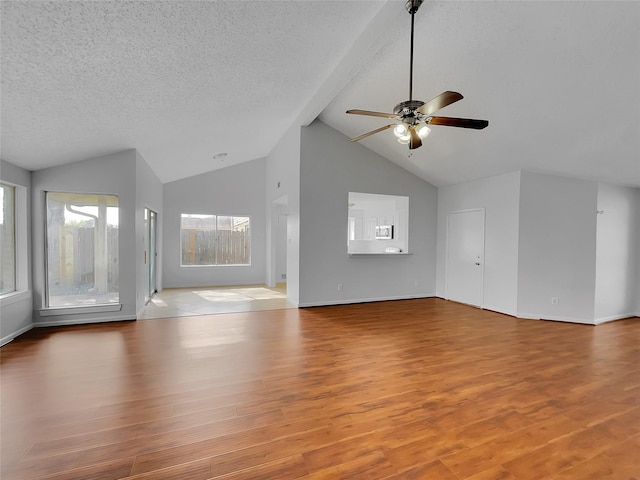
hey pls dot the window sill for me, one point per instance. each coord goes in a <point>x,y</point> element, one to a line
<point>13,297</point>
<point>53,311</point>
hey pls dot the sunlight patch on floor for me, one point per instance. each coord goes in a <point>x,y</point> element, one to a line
<point>182,302</point>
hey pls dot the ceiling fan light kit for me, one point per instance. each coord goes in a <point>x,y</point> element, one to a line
<point>415,115</point>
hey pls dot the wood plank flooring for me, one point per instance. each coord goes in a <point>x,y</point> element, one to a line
<point>415,389</point>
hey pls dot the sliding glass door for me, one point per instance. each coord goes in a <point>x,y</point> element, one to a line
<point>150,253</point>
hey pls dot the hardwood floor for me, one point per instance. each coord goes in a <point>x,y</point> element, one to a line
<point>415,389</point>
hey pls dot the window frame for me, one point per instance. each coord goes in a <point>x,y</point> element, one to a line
<point>215,265</point>
<point>98,307</point>
<point>14,238</point>
<point>22,247</point>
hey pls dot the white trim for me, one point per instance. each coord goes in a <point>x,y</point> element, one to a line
<point>20,236</point>
<point>570,320</point>
<point>8,338</point>
<point>497,310</point>
<point>389,254</point>
<point>484,241</point>
<point>363,300</point>
<point>13,297</point>
<point>57,323</point>
<point>217,265</point>
<point>532,316</point>
<point>598,321</point>
<point>79,310</point>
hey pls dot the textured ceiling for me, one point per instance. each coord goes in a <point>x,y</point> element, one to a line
<point>182,81</point>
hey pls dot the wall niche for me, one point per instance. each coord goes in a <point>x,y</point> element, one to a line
<point>377,224</point>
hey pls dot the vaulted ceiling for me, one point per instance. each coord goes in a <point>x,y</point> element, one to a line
<point>184,81</point>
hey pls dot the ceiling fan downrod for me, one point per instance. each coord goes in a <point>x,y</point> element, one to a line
<point>412,7</point>
<point>415,115</point>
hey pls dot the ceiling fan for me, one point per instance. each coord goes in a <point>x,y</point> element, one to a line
<point>415,115</point>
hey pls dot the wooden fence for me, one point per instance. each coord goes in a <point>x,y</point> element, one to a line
<point>210,247</point>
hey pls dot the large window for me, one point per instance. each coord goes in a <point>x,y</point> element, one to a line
<point>8,239</point>
<point>82,249</point>
<point>215,240</point>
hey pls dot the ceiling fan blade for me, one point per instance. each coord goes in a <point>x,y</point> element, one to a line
<point>415,141</point>
<point>441,101</point>
<point>458,122</point>
<point>373,132</point>
<point>373,114</point>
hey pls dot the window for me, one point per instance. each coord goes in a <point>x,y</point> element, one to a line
<point>82,249</point>
<point>8,238</point>
<point>215,240</point>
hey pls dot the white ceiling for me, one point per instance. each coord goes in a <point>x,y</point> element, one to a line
<point>182,81</point>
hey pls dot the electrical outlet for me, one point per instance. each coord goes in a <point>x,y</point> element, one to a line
<point>554,300</point>
<point>339,287</point>
<point>416,284</point>
<point>283,276</point>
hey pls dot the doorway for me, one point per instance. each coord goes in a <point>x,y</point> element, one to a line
<point>277,273</point>
<point>465,257</point>
<point>150,253</point>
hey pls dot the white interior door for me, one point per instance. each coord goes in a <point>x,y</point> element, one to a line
<point>465,257</point>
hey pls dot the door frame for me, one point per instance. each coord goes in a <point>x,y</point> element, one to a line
<point>446,259</point>
<point>151,254</point>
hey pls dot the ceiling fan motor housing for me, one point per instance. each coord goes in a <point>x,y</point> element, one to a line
<point>407,110</point>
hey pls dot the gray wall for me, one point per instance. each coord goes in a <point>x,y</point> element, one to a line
<point>16,315</point>
<point>557,248</point>
<point>636,290</point>
<point>149,191</point>
<point>617,249</point>
<point>112,174</point>
<point>331,167</point>
<point>235,190</point>
<point>499,196</point>
<point>282,196</point>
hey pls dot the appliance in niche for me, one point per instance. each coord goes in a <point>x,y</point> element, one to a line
<point>384,232</point>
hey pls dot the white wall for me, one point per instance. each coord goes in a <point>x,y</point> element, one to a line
<point>149,192</point>
<point>557,248</point>
<point>500,198</point>
<point>16,315</point>
<point>282,188</point>
<point>236,190</point>
<point>617,246</point>
<point>281,244</point>
<point>111,174</point>
<point>331,167</point>
<point>637,287</point>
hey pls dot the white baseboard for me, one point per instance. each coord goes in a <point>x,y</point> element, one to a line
<point>571,320</point>
<point>8,338</point>
<point>82,321</point>
<point>537,316</point>
<point>598,321</point>
<point>363,300</point>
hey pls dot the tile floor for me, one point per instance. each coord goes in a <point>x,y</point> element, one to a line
<point>187,302</point>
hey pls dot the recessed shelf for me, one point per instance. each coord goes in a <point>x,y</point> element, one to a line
<point>378,254</point>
